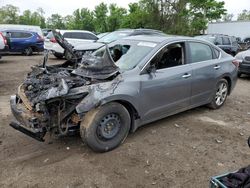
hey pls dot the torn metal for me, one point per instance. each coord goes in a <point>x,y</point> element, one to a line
<point>54,98</point>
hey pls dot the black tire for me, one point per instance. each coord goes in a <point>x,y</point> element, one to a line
<point>95,130</point>
<point>58,55</point>
<point>220,95</point>
<point>28,51</point>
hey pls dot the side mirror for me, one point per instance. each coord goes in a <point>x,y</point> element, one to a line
<point>151,69</point>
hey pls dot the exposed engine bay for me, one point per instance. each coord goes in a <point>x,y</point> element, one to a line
<point>47,99</point>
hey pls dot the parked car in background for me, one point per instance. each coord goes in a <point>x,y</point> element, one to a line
<point>244,62</point>
<point>32,28</point>
<point>227,43</point>
<point>46,32</point>
<point>122,86</point>
<point>119,34</point>
<point>74,37</point>
<point>26,42</point>
<point>100,35</point>
<point>3,45</point>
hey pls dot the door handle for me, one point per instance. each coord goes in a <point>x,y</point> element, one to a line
<point>186,75</point>
<point>216,67</point>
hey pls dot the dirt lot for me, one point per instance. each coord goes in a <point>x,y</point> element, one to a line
<point>184,150</point>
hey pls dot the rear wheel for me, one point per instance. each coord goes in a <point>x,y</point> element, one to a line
<point>105,127</point>
<point>239,74</point>
<point>28,51</point>
<point>220,94</point>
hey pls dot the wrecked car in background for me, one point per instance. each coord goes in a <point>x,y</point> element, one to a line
<point>120,87</point>
<point>244,60</point>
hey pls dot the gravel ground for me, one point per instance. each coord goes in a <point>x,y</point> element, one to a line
<point>183,150</point>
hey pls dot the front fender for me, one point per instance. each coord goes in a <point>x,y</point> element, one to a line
<point>103,93</point>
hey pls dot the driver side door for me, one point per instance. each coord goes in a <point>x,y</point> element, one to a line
<point>167,89</point>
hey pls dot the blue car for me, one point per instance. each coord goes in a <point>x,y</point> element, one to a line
<point>25,42</point>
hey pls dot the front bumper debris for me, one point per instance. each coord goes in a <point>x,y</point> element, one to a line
<point>27,121</point>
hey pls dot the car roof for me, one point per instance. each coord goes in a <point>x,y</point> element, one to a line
<point>156,39</point>
<point>15,30</point>
<point>72,31</point>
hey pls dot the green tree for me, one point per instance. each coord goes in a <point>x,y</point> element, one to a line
<point>35,18</point>
<point>56,21</point>
<point>100,21</point>
<point>201,12</point>
<point>81,19</point>
<point>244,15</point>
<point>135,18</point>
<point>9,14</point>
<point>115,18</point>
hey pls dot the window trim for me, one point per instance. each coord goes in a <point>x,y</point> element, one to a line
<point>21,32</point>
<point>211,47</point>
<point>143,69</point>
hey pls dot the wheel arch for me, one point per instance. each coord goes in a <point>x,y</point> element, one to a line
<point>133,112</point>
<point>229,81</point>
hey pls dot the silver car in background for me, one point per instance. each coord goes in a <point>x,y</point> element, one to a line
<point>122,86</point>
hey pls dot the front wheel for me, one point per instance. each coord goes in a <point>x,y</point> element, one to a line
<point>220,94</point>
<point>105,127</point>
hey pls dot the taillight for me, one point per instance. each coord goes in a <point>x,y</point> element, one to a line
<point>4,39</point>
<point>236,63</point>
<point>39,38</point>
<point>53,40</point>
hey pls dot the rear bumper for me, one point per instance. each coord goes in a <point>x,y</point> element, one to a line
<point>5,50</point>
<point>26,121</point>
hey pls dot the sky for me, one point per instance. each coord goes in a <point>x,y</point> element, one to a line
<point>65,7</point>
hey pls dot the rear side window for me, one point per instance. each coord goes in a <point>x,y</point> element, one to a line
<point>80,35</point>
<point>226,41</point>
<point>20,35</point>
<point>200,52</point>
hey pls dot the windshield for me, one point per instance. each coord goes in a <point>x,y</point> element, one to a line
<point>127,55</point>
<point>114,36</point>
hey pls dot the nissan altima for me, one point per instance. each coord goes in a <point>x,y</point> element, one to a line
<point>120,87</point>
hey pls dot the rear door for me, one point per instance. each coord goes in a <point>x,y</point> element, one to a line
<point>166,90</point>
<point>205,66</point>
<point>19,40</point>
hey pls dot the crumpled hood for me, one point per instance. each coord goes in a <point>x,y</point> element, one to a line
<point>97,67</point>
<point>89,46</point>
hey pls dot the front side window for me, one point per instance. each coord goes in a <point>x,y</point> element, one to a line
<point>170,56</point>
<point>200,52</point>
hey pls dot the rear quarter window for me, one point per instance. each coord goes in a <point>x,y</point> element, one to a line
<point>216,53</point>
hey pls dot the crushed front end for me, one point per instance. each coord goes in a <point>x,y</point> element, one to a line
<point>46,102</point>
<point>48,98</point>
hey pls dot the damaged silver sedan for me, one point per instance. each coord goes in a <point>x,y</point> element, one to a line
<point>119,87</point>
